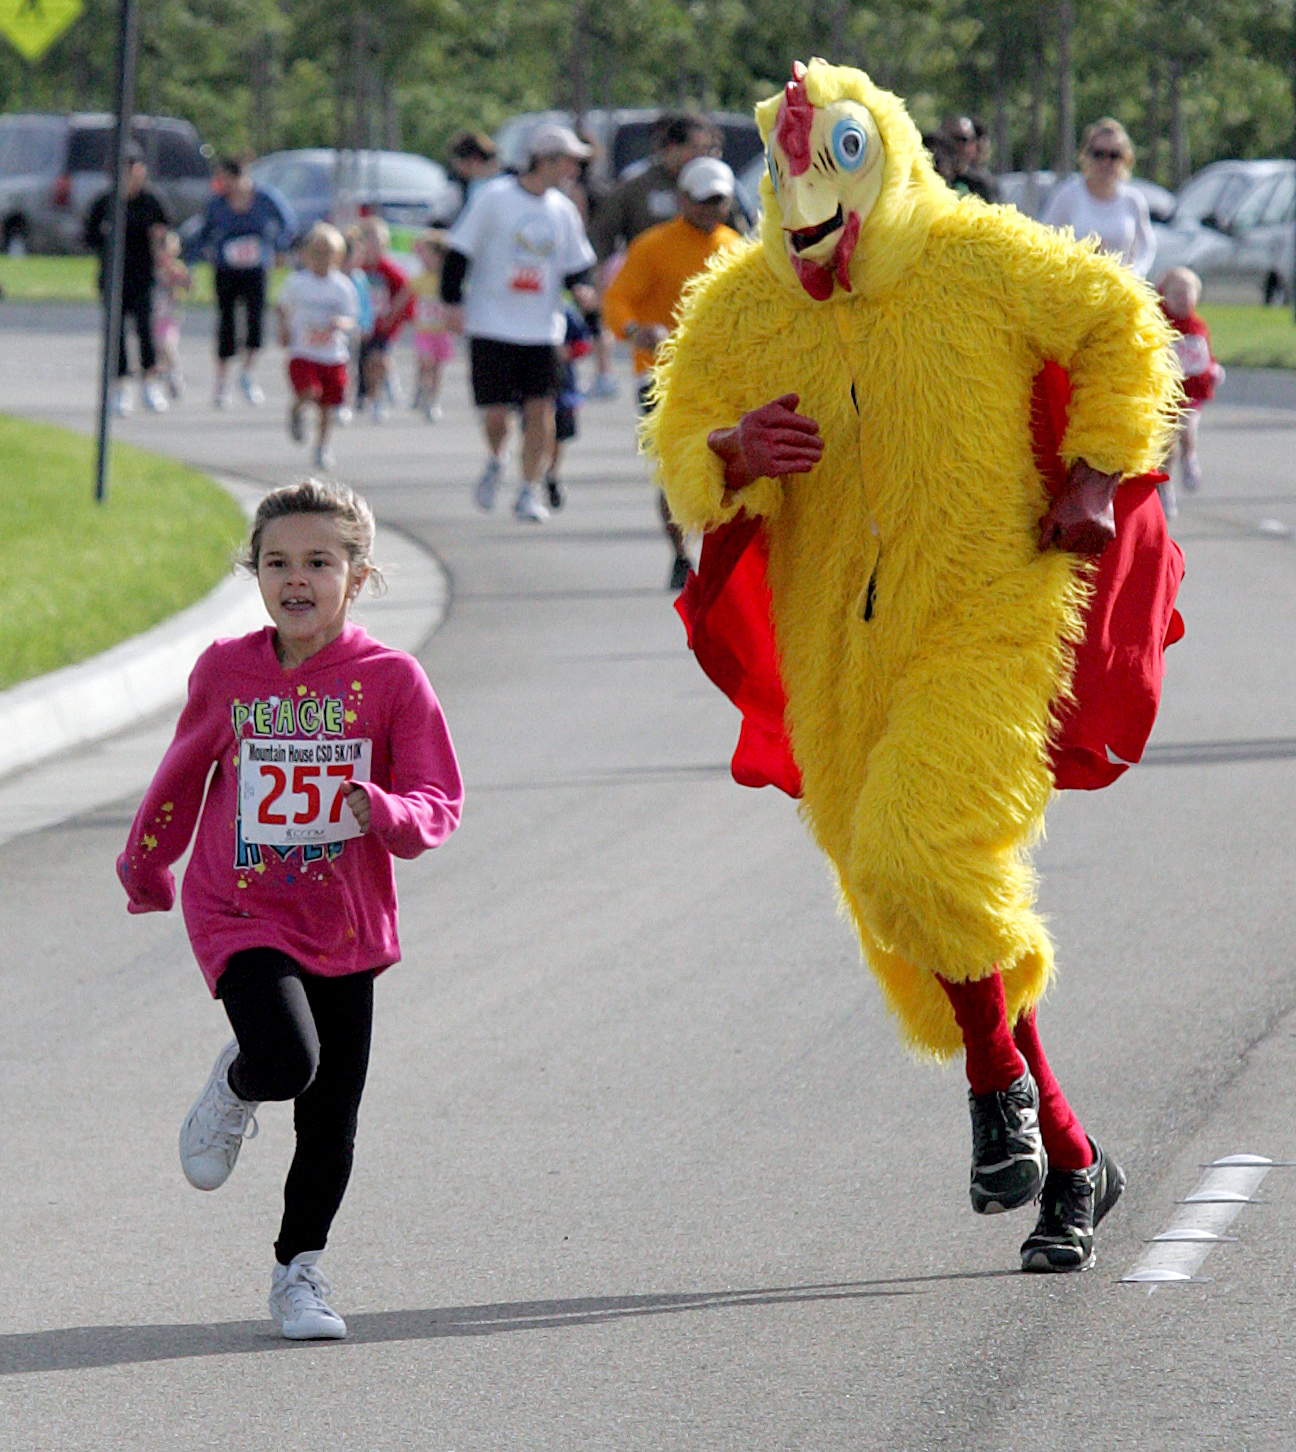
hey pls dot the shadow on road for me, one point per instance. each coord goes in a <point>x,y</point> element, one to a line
<point>77,1348</point>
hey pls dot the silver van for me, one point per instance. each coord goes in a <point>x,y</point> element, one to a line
<point>53,167</point>
<point>1233,226</point>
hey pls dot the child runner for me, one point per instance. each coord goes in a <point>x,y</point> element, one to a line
<point>357,274</point>
<point>434,344</point>
<point>577,342</point>
<point>1180,291</point>
<point>331,757</point>
<point>392,308</point>
<point>318,312</point>
<point>171,277</point>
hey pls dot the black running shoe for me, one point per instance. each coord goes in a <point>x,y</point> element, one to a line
<point>1072,1205</point>
<point>679,573</point>
<point>555,491</point>
<point>1008,1159</point>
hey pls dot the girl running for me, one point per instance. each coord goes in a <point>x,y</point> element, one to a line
<point>331,757</point>
<point>434,345</point>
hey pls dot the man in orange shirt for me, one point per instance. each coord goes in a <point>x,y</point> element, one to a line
<point>640,302</point>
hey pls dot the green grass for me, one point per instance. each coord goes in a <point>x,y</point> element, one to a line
<point>76,279</point>
<point>77,576</point>
<point>38,279</point>
<point>1252,336</point>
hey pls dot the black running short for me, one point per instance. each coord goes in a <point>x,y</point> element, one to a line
<point>510,373</point>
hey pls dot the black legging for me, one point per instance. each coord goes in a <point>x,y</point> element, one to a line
<point>233,284</point>
<point>306,1038</point>
<point>140,306</point>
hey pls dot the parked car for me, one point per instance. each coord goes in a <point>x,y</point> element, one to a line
<point>323,184</point>
<point>1029,191</point>
<point>1233,225</point>
<point>624,138</point>
<point>53,167</point>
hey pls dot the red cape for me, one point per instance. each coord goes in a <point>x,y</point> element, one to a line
<point>1116,683</point>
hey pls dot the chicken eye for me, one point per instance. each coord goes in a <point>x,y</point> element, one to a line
<point>849,144</point>
<point>773,169</point>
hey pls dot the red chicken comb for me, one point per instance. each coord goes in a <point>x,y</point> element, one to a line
<point>795,118</point>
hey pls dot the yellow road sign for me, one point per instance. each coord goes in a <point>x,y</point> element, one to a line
<point>32,26</point>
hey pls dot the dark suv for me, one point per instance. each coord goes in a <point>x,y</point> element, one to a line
<point>53,167</point>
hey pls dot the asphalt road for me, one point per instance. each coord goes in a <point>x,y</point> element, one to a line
<point>641,1162</point>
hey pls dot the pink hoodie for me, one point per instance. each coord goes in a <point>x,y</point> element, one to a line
<point>332,907</point>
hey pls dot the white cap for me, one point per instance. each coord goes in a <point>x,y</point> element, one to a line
<point>704,178</point>
<point>551,139</point>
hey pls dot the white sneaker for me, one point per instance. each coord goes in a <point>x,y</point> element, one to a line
<point>380,411</point>
<point>297,1301</point>
<point>487,485</point>
<point>343,416</point>
<point>297,421</point>
<point>252,390</point>
<point>220,399</point>
<point>214,1129</point>
<point>432,413</point>
<point>154,399</point>
<point>528,505</point>
<point>121,401</point>
<point>324,458</point>
<point>1190,473</point>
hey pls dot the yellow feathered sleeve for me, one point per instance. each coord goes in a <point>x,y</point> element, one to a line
<point>701,382</point>
<point>1105,326</point>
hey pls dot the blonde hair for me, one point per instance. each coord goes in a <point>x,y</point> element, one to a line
<point>374,229</point>
<point>324,234</point>
<point>1185,282</point>
<point>1110,126</point>
<point>348,510</point>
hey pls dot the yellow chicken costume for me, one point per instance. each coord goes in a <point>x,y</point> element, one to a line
<point>925,637</point>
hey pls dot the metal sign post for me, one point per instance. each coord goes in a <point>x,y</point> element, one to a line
<point>115,257</point>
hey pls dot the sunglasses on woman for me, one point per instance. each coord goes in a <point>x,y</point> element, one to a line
<point>1106,155</point>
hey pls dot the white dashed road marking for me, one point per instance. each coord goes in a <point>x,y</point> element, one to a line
<point>1176,1254</point>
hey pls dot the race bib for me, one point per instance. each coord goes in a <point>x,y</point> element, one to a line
<point>290,791</point>
<point>1194,354</point>
<point>242,252</point>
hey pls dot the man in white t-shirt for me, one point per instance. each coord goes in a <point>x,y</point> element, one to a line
<point>319,310</point>
<point>520,243</point>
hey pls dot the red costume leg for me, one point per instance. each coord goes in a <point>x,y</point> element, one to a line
<point>1065,1141</point>
<point>979,1010</point>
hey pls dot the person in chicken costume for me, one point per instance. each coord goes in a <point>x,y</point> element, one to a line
<point>918,432</point>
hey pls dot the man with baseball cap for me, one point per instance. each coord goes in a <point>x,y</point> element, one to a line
<point>523,242</point>
<point>640,302</point>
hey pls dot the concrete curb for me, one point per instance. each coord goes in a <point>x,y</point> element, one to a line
<point>96,698</point>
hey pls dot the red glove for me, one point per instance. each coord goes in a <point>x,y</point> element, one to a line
<point>1082,518</point>
<point>766,442</point>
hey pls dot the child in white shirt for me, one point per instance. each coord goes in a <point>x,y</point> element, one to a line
<point>319,310</point>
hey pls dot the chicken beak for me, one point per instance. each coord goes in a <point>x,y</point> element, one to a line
<point>809,202</point>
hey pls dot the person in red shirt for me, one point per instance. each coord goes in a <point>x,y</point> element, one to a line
<point>393,306</point>
<point>1180,291</point>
